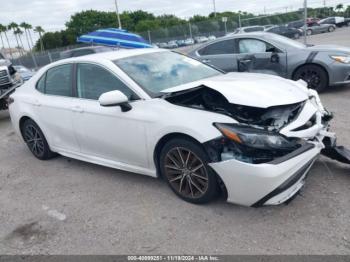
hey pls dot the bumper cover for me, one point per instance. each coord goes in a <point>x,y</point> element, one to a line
<point>269,183</point>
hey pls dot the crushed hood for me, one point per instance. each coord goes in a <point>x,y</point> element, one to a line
<point>249,89</point>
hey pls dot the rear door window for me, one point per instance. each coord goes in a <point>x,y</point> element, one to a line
<point>59,80</point>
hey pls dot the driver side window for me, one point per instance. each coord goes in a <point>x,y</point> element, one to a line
<point>251,46</point>
<point>93,81</point>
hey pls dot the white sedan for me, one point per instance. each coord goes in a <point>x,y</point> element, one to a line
<point>159,113</point>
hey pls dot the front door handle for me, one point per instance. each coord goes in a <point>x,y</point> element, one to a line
<point>206,60</point>
<point>245,60</point>
<point>77,109</point>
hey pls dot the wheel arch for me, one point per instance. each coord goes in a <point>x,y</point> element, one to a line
<point>314,64</point>
<point>163,140</point>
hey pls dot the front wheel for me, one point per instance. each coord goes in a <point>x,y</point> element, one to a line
<point>296,36</point>
<point>315,76</point>
<point>331,29</point>
<point>36,141</point>
<point>184,165</point>
<point>309,32</point>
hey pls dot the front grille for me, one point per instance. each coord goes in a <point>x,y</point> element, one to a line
<point>3,73</point>
<point>4,80</point>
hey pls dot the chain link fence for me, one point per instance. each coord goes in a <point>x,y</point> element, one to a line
<point>216,27</point>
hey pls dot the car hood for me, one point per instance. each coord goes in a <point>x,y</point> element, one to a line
<point>330,48</point>
<point>249,89</point>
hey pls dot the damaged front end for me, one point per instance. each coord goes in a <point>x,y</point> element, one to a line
<point>263,134</point>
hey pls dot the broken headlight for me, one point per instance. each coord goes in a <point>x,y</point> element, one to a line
<point>254,137</point>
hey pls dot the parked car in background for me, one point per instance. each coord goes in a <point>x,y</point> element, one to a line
<point>211,37</point>
<point>300,23</point>
<point>268,26</point>
<point>163,45</point>
<point>262,52</point>
<point>88,50</point>
<point>180,43</point>
<point>189,41</point>
<point>320,28</point>
<point>200,39</point>
<point>249,29</point>
<point>202,132</point>
<point>336,20</point>
<point>289,32</point>
<point>10,79</point>
<point>172,44</point>
<point>25,73</point>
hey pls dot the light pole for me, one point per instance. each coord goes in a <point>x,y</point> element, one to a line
<point>305,22</point>
<point>190,27</point>
<point>224,20</point>
<point>214,5</point>
<point>117,12</point>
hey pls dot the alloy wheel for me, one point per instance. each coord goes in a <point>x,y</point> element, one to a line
<point>186,173</point>
<point>35,141</point>
<point>311,77</point>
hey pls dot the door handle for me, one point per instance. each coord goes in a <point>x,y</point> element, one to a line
<point>245,60</point>
<point>77,109</point>
<point>206,60</point>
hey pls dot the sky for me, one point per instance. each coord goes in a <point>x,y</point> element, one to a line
<point>52,14</point>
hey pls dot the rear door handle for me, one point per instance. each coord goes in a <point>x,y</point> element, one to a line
<point>206,60</point>
<point>77,109</point>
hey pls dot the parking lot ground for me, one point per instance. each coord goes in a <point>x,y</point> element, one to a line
<point>65,206</point>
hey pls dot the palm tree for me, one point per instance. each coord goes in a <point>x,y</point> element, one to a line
<point>2,40</point>
<point>26,28</point>
<point>40,30</point>
<point>13,26</point>
<point>19,32</point>
<point>3,29</point>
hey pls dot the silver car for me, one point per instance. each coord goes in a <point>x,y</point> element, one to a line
<point>261,52</point>
<point>320,28</point>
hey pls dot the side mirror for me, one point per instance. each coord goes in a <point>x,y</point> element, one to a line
<point>115,98</point>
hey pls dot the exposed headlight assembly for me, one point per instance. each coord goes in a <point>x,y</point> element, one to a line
<point>254,138</point>
<point>341,58</point>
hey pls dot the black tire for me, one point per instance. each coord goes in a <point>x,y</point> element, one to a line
<point>199,186</point>
<point>36,141</point>
<point>331,29</point>
<point>314,75</point>
<point>309,32</point>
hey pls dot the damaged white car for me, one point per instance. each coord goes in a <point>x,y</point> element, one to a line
<point>159,113</point>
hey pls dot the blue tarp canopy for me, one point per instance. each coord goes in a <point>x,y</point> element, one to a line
<point>114,37</point>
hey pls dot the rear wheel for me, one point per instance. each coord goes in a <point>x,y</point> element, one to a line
<point>315,76</point>
<point>184,165</point>
<point>36,141</point>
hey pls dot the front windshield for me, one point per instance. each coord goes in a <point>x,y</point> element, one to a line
<point>158,71</point>
<point>284,41</point>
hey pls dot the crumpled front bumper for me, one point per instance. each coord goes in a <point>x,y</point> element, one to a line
<point>270,183</point>
<point>276,182</point>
